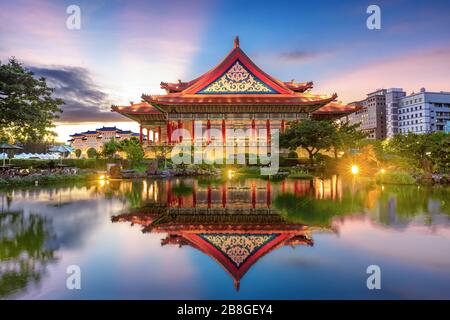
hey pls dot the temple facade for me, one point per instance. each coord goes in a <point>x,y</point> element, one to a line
<point>235,94</point>
<point>95,139</point>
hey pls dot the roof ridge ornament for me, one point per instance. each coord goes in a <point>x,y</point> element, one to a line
<point>236,42</point>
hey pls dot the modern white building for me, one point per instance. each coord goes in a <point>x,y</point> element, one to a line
<point>422,112</point>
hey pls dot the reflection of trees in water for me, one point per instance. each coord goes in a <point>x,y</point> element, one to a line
<point>312,203</point>
<point>317,212</point>
<point>388,205</point>
<point>134,195</point>
<point>25,250</point>
<point>130,192</point>
<point>182,189</point>
<point>401,204</point>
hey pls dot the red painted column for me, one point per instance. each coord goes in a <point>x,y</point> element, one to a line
<point>159,134</point>
<point>253,195</point>
<point>169,132</point>
<point>268,196</point>
<point>208,196</point>
<point>140,134</point>
<point>282,126</point>
<point>283,186</point>
<point>224,196</point>
<point>254,134</point>
<point>169,193</point>
<point>194,196</point>
<point>208,127</point>
<point>180,126</point>
<point>193,130</point>
<point>268,130</point>
<point>223,131</point>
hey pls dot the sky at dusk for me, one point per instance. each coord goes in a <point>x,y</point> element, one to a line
<point>126,48</point>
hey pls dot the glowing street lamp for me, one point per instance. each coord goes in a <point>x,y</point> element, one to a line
<point>355,169</point>
<point>383,171</point>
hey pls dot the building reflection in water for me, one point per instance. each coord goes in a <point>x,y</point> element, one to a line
<point>233,222</point>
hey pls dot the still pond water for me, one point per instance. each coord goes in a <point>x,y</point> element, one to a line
<point>233,239</point>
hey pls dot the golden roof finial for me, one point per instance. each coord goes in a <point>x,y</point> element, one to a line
<point>236,42</point>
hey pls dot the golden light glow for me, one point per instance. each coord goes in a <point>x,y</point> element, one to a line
<point>355,169</point>
<point>383,171</point>
<point>230,174</point>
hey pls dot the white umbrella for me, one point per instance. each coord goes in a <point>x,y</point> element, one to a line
<point>62,149</point>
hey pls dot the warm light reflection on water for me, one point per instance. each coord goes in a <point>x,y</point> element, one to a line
<point>237,238</point>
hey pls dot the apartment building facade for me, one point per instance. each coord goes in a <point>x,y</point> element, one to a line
<point>372,117</point>
<point>423,112</point>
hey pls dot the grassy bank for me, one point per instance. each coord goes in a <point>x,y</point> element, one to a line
<point>402,178</point>
<point>46,180</point>
<point>96,164</point>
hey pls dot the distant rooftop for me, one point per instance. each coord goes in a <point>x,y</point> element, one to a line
<point>108,129</point>
<point>104,129</point>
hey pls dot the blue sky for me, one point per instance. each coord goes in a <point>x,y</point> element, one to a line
<point>125,48</point>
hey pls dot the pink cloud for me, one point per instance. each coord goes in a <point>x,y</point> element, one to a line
<point>410,71</point>
<point>35,31</point>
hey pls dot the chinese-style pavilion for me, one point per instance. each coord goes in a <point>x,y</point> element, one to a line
<point>234,94</point>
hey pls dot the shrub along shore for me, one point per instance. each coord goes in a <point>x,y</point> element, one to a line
<point>51,179</point>
<point>292,168</point>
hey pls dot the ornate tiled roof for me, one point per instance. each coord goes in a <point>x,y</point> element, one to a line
<point>235,243</point>
<point>137,108</point>
<point>108,129</point>
<point>237,80</point>
<point>335,109</point>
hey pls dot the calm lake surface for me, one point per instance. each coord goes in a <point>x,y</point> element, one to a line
<point>233,239</point>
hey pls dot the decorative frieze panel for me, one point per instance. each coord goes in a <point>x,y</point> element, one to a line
<point>237,79</point>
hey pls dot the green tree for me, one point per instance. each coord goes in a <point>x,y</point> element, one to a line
<point>309,134</point>
<point>91,153</point>
<point>439,148</point>
<point>428,152</point>
<point>346,137</point>
<point>132,149</point>
<point>110,149</point>
<point>27,108</point>
<point>161,152</point>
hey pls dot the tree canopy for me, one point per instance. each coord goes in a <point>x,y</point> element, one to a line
<point>429,152</point>
<point>346,136</point>
<point>27,108</point>
<point>110,149</point>
<point>132,149</point>
<point>309,134</point>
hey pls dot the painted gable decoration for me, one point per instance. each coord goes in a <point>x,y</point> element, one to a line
<point>237,79</point>
<point>238,247</point>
